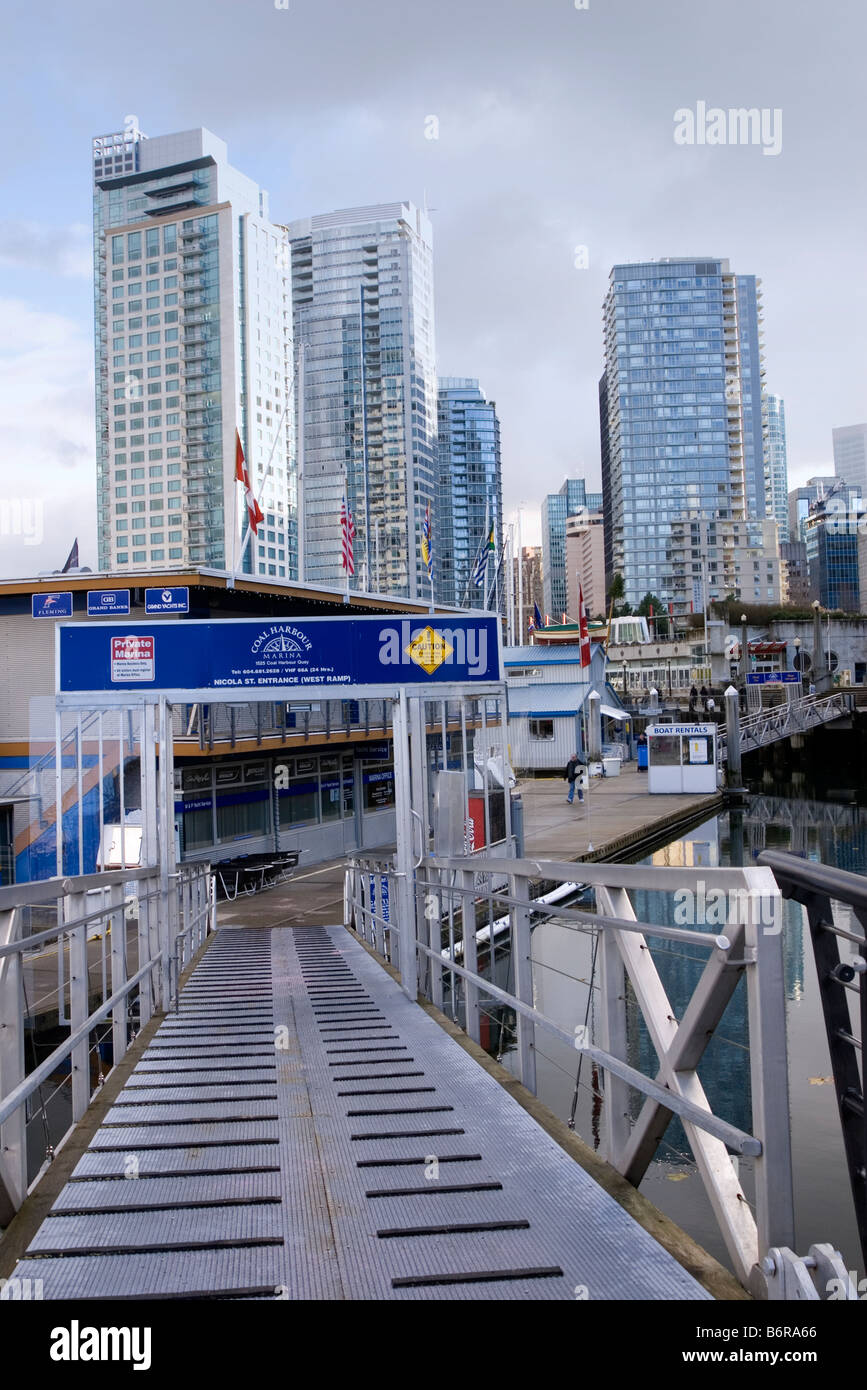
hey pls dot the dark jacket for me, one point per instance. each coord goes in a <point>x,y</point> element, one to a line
<point>573,766</point>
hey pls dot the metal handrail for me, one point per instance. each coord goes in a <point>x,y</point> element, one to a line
<point>752,946</point>
<point>47,890</point>
<point>9,1104</point>
<point>730,1135</point>
<point>189,891</point>
<point>816,887</point>
<point>798,717</point>
<point>791,871</point>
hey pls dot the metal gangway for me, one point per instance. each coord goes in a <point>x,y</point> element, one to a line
<point>286,1121</point>
<point>767,726</point>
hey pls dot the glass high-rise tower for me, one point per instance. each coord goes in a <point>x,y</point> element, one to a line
<point>362,296</point>
<point>572,498</point>
<point>850,455</point>
<point>193,340</point>
<point>776,470</point>
<point>470,493</point>
<point>683,426</point>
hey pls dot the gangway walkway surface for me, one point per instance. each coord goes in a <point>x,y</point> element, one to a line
<point>300,1129</point>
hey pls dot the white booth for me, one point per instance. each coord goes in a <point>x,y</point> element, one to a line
<point>681,758</point>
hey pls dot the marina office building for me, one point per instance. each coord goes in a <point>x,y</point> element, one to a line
<point>252,778</point>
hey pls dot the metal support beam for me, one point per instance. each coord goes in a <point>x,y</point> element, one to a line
<point>75,905</point>
<point>404,863</point>
<point>727,1199</point>
<point>613,1035</point>
<point>471,959</point>
<point>718,982</point>
<point>769,1067</point>
<point>521,958</point>
<point>13,1134</point>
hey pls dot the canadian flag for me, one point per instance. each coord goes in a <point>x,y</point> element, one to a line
<point>254,511</point>
<point>584,630</point>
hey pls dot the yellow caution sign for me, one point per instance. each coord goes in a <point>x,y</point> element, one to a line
<point>429,650</point>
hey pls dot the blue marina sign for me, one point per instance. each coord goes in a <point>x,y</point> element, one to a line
<point>107,602</point>
<point>774,678</point>
<point>252,654</point>
<point>167,600</point>
<point>51,606</point>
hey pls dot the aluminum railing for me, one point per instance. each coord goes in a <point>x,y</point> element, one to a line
<point>841,970</point>
<point>453,899</point>
<point>246,725</point>
<point>767,726</point>
<point>155,923</point>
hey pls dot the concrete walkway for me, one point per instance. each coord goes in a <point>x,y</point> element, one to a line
<point>617,813</point>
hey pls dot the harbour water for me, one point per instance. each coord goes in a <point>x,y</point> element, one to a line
<point>823,822</point>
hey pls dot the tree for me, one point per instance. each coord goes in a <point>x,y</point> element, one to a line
<point>652,605</point>
<point>617,592</point>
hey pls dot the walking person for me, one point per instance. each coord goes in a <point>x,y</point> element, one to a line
<point>573,775</point>
<point>704,694</point>
<point>693,696</point>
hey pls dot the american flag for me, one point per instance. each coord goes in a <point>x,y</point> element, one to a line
<point>347,529</point>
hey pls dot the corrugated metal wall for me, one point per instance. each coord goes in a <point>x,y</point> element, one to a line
<point>542,755</point>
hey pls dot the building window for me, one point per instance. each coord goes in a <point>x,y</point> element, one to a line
<point>298,800</point>
<point>378,783</point>
<point>542,729</point>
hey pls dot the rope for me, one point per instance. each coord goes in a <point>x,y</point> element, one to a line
<point>571,1120</point>
<point>49,1150</point>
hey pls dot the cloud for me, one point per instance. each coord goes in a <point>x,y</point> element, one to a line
<point>57,250</point>
<point>47,427</point>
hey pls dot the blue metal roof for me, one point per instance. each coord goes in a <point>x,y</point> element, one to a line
<point>542,701</point>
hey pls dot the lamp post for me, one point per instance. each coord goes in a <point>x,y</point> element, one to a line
<point>745,651</point>
<point>818,672</point>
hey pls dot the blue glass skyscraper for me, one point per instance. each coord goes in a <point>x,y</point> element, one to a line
<point>573,497</point>
<point>682,404</point>
<point>776,470</point>
<point>469,493</point>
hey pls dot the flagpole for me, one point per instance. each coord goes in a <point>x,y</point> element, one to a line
<point>430,560</point>
<point>299,464</point>
<point>495,586</point>
<point>479,550</point>
<point>344,539</point>
<point>261,493</point>
<point>510,586</point>
<point>521,574</point>
<point>235,527</point>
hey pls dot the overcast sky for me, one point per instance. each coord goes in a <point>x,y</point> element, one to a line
<point>555,131</point>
